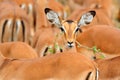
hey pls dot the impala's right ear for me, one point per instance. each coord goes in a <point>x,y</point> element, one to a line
<point>86,18</point>
<point>52,17</point>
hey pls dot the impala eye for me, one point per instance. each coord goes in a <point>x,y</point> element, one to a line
<point>62,29</point>
<point>77,30</point>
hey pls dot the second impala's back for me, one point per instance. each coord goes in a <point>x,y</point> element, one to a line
<point>54,67</point>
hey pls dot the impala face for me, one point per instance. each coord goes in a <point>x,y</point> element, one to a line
<point>69,27</point>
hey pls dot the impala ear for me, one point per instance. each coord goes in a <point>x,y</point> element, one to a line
<point>52,17</point>
<point>86,18</point>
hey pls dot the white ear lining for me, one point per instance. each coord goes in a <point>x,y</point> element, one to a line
<point>53,17</point>
<point>85,19</point>
<point>88,17</point>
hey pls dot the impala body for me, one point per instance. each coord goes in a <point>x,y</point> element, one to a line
<point>104,37</point>
<point>54,67</point>
<point>17,50</point>
<point>109,68</point>
<point>14,25</point>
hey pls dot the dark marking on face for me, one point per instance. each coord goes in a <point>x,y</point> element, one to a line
<point>69,21</point>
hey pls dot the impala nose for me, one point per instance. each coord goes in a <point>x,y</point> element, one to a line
<point>70,44</point>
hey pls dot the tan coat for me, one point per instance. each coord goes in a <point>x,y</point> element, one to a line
<point>17,50</point>
<point>61,66</point>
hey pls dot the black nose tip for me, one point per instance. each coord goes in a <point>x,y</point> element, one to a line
<point>70,42</point>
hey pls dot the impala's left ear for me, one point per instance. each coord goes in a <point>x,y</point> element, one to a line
<point>86,18</point>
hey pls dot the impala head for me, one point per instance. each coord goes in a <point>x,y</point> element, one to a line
<point>68,27</point>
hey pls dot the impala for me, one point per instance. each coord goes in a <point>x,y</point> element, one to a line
<point>30,7</point>
<point>53,67</point>
<point>107,6</point>
<point>17,50</point>
<point>48,3</point>
<point>35,11</point>
<point>68,27</point>
<point>103,37</point>
<point>109,68</point>
<point>69,30</point>
<point>14,23</point>
<point>98,20</point>
<point>42,41</point>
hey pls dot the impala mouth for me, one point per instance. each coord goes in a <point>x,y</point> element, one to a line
<point>70,45</point>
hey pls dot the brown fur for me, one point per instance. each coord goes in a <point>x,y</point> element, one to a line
<point>32,13</point>
<point>101,17</point>
<point>118,16</point>
<point>39,7</point>
<point>107,5</point>
<point>109,68</point>
<point>17,50</point>
<point>54,67</point>
<point>59,8</point>
<point>46,37</point>
<point>43,38</point>
<point>104,37</point>
<point>13,12</point>
<point>43,22</point>
<point>42,18</point>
